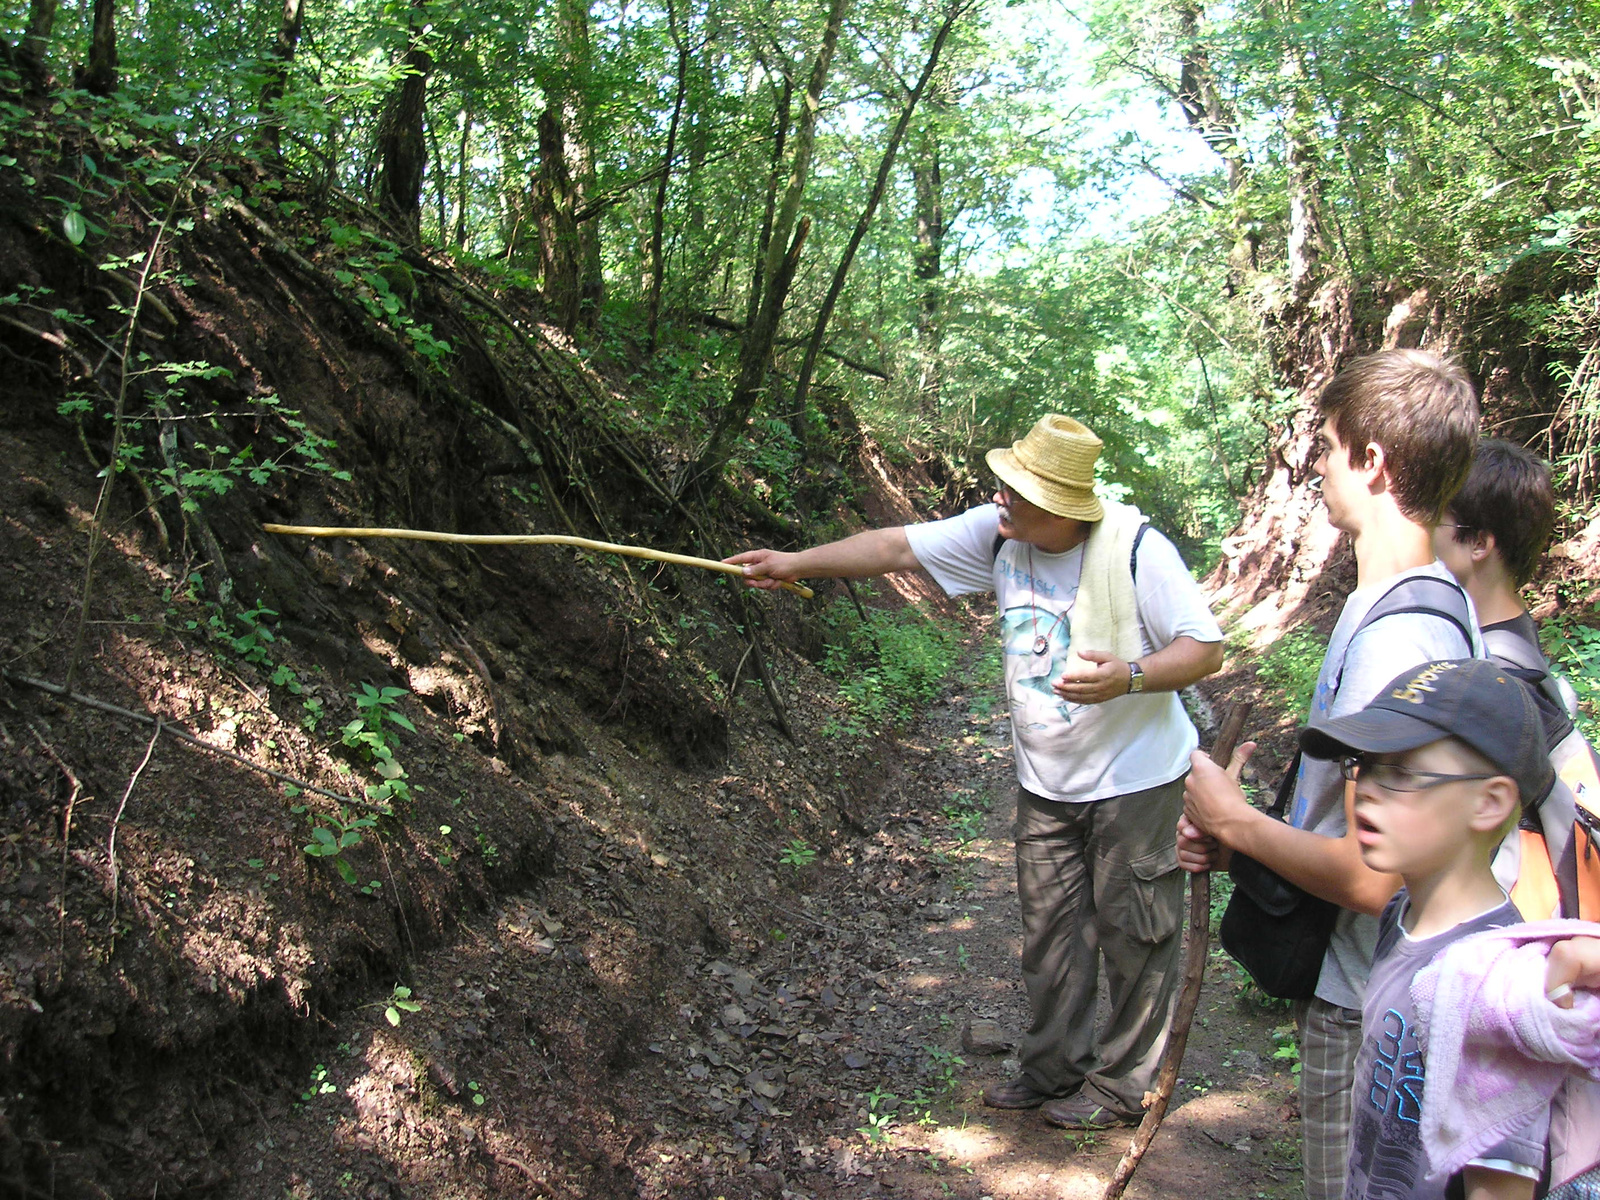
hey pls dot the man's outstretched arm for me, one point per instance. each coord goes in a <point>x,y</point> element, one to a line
<point>875,552</point>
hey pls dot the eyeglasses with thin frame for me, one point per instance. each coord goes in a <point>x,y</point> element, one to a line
<point>1392,777</point>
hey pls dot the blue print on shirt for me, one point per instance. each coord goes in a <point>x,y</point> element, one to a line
<point>1396,1085</point>
<point>1024,579</point>
<point>1019,627</point>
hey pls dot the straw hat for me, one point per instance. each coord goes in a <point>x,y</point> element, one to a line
<point>1053,467</point>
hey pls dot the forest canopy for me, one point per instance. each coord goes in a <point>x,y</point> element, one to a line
<point>944,219</point>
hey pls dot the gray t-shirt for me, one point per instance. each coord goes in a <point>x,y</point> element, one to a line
<point>1353,670</point>
<point>1387,1161</point>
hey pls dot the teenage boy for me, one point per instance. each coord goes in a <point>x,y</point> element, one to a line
<point>1443,761</point>
<point>1492,535</point>
<point>1397,436</point>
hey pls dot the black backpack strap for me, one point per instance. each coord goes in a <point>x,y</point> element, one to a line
<point>1419,594</point>
<point>1286,787</point>
<point>999,543</point>
<point>1133,555</point>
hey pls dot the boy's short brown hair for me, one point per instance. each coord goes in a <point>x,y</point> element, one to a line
<point>1422,409</point>
<point>1508,494</point>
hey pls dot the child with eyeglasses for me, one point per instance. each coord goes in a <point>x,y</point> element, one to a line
<point>1443,760</point>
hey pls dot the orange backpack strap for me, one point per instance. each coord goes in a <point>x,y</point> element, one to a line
<point>1535,893</point>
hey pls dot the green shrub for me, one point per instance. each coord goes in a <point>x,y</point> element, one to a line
<point>888,664</point>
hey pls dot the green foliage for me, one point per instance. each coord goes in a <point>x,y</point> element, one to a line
<point>798,854</point>
<point>1291,665</point>
<point>332,835</point>
<point>887,665</point>
<point>400,1001</point>
<point>1573,649</point>
<point>372,735</point>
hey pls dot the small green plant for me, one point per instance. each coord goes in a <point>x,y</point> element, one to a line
<point>400,1001</point>
<point>320,1086</point>
<point>372,737</point>
<point>887,665</point>
<point>881,1106</point>
<point>1574,651</point>
<point>1288,1047</point>
<point>963,958</point>
<point>942,1065</point>
<point>1082,1141</point>
<point>475,1091</point>
<point>797,854</point>
<point>332,835</point>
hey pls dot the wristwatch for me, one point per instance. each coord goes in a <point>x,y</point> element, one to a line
<point>1135,678</point>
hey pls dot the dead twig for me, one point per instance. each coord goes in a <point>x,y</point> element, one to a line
<point>66,842</point>
<point>111,840</point>
<point>1194,969</point>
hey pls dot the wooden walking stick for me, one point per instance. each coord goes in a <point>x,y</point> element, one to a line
<point>1194,969</point>
<point>531,539</point>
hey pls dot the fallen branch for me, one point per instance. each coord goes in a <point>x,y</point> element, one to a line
<point>528,539</point>
<point>1194,969</point>
<point>116,710</point>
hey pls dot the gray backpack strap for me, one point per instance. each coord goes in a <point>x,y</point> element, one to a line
<point>1513,651</point>
<point>1427,594</point>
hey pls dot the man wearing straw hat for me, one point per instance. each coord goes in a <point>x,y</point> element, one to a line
<point>1101,624</point>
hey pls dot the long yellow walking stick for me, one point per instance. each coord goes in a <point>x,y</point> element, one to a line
<point>531,539</point>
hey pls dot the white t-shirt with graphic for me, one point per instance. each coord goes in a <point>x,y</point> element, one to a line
<point>1073,752</point>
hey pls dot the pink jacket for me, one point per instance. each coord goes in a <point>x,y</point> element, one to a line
<point>1497,1051</point>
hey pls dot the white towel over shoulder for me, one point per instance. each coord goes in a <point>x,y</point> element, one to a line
<point>1105,615</point>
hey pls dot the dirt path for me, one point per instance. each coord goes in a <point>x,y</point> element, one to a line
<point>892,1103</point>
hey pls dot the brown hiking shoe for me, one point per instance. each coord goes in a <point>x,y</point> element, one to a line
<point>1013,1093</point>
<point>1078,1111</point>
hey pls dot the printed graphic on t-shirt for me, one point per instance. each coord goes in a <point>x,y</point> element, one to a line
<point>1039,640</point>
<point>1391,1095</point>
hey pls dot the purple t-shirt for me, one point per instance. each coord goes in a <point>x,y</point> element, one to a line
<point>1387,1161</point>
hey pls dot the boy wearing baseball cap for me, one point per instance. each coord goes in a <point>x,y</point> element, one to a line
<point>1443,760</point>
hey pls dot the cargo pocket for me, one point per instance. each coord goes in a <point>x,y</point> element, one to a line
<point>1152,906</point>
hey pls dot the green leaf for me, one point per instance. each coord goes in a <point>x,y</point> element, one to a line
<point>392,1015</point>
<point>73,226</point>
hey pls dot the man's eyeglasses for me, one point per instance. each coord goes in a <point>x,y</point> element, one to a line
<point>1392,777</point>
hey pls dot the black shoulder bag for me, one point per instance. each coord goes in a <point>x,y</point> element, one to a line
<point>1273,929</point>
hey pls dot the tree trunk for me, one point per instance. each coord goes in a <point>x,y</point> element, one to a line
<point>34,48</point>
<point>100,76</point>
<point>281,58</point>
<point>927,264</point>
<point>461,181</point>
<point>780,134</point>
<point>777,266</point>
<point>658,217</point>
<point>402,147</point>
<point>1211,115</point>
<point>555,205</point>
<point>864,222</point>
<point>568,94</point>
<point>755,353</point>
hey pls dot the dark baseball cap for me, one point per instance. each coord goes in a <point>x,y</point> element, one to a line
<point>1469,699</point>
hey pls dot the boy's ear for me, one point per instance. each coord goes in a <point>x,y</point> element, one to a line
<point>1373,462</point>
<point>1494,803</point>
<point>1483,545</point>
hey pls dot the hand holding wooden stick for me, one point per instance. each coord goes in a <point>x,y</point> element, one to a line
<point>1194,969</point>
<point>531,539</point>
